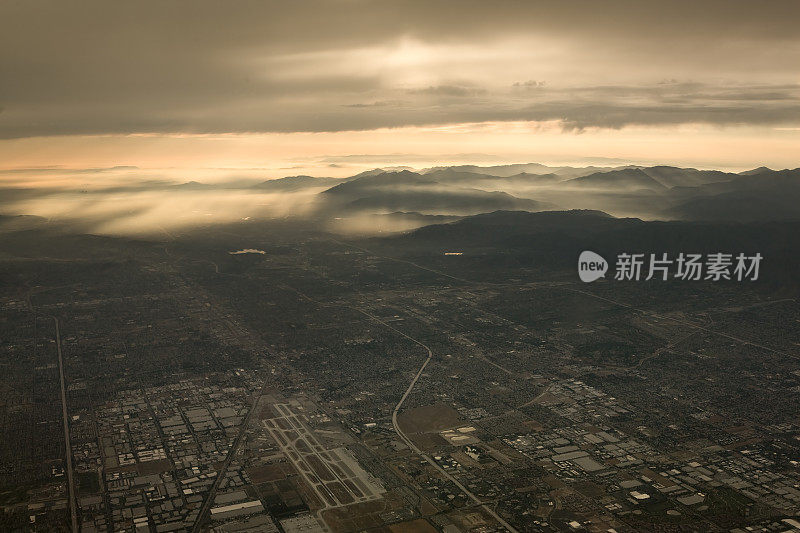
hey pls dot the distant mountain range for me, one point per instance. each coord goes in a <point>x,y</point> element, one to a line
<point>296,183</point>
<point>658,192</point>
<point>765,195</point>
<point>440,192</point>
<point>504,171</point>
<point>553,239</point>
<point>409,199</point>
<point>627,179</point>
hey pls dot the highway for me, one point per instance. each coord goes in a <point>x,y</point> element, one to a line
<point>408,442</point>
<point>687,323</point>
<point>422,454</point>
<point>212,492</point>
<point>73,503</point>
<point>592,295</point>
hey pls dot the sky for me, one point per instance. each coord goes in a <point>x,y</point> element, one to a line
<point>223,90</point>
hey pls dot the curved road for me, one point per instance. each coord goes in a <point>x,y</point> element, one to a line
<point>422,454</point>
<point>408,442</point>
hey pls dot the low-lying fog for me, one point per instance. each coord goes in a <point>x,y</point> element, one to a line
<point>151,212</point>
<point>370,203</point>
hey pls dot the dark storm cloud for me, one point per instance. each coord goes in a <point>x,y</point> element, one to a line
<point>210,67</point>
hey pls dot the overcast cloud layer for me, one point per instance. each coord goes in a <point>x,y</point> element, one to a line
<point>214,67</point>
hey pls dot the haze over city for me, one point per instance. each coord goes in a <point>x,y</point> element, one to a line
<point>334,266</point>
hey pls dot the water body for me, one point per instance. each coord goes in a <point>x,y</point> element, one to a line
<point>248,251</point>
